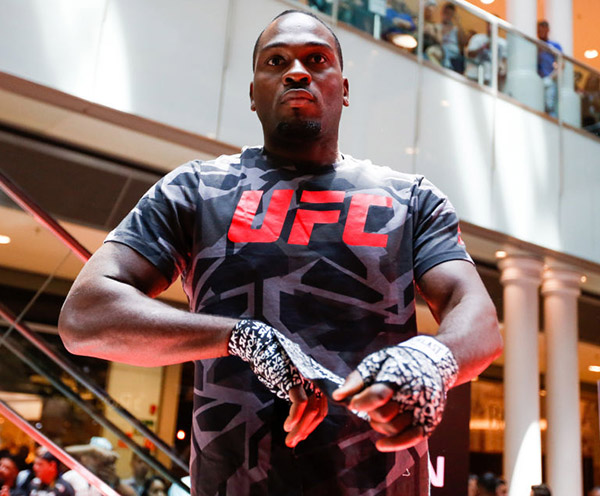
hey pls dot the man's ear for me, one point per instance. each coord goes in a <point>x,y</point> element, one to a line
<point>346,93</point>
<point>252,105</point>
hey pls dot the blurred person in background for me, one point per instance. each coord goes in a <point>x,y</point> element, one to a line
<point>8,477</point>
<point>432,34</point>
<point>540,490</point>
<point>47,481</point>
<point>139,472</point>
<point>99,458</point>
<point>479,57</point>
<point>155,486</point>
<point>453,39</point>
<point>501,488</point>
<point>486,485</point>
<point>548,69</point>
<point>472,485</point>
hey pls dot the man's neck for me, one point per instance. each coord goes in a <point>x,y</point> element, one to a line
<point>310,154</point>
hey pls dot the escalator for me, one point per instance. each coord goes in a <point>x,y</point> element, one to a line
<point>53,399</point>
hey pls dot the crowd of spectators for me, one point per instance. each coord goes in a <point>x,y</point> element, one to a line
<point>47,476</point>
<point>445,41</point>
<point>449,44</point>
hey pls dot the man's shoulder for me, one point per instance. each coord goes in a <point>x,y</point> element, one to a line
<point>478,39</point>
<point>555,44</point>
<point>383,172</point>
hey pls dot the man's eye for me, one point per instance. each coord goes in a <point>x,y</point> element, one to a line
<point>318,58</point>
<point>274,61</point>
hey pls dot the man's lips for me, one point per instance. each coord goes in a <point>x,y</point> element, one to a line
<point>297,96</point>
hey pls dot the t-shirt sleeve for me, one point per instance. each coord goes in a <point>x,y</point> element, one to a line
<point>160,227</point>
<point>436,233</point>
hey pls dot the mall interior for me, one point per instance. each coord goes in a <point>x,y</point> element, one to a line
<point>99,99</point>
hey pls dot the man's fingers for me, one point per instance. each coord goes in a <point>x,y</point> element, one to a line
<point>395,426</point>
<point>313,414</point>
<point>299,402</point>
<point>321,414</point>
<point>407,439</point>
<point>371,398</point>
<point>386,412</point>
<point>352,385</point>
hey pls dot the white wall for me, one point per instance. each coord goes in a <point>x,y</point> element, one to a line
<point>187,63</point>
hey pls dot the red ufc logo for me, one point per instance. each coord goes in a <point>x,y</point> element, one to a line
<point>241,230</point>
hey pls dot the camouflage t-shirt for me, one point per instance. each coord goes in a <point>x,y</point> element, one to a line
<point>326,255</point>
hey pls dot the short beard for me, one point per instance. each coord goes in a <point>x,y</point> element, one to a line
<point>299,130</point>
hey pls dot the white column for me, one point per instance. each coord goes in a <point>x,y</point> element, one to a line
<point>522,80</point>
<point>522,14</point>
<point>560,289</point>
<point>559,14</point>
<point>560,17</point>
<point>521,278</point>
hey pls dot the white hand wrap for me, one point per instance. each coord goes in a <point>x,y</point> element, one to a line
<point>421,370</point>
<point>259,345</point>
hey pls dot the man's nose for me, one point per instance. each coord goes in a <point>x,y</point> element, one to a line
<point>297,73</point>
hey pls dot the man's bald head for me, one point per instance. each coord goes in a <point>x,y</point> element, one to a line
<point>296,11</point>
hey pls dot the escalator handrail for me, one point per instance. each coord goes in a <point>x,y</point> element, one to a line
<point>21,198</point>
<point>40,215</point>
<point>56,450</point>
<point>99,418</point>
<point>63,363</point>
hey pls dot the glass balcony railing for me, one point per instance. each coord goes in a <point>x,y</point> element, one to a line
<point>459,37</point>
<point>73,400</point>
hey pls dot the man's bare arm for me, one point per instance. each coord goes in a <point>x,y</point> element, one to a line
<point>468,327</point>
<point>109,313</point>
<point>468,322</point>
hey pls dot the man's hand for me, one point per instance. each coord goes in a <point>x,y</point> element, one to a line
<point>259,345</point>
<point>385,414</point>
<point>306,413</point>
<point>403,389</point>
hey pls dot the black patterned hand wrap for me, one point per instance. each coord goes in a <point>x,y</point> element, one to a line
<point>421,371</point>
<point>260,345</point>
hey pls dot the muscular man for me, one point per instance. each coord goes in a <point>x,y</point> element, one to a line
<point>294,242</point>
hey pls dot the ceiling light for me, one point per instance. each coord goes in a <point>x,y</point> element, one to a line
<point>180,435</point>
<point>591,54</point>
<point>500,254</point>
<point>583,279</point>
<point>4,240</point>
<point>594,368</point>
<point>444,103</point>
<point>487,2</point>
<point>403,40</point>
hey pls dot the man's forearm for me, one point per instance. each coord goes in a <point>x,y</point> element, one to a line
<point>470,330</point>
<point>115,321</point>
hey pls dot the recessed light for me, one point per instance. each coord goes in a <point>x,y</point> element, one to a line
<point>590,54</point>
<point>501,254</point>
<point>403,40</point>
<point>487,2</point>
<point>594,368</point>
<point>583,279</point>
<point>4,240</point>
